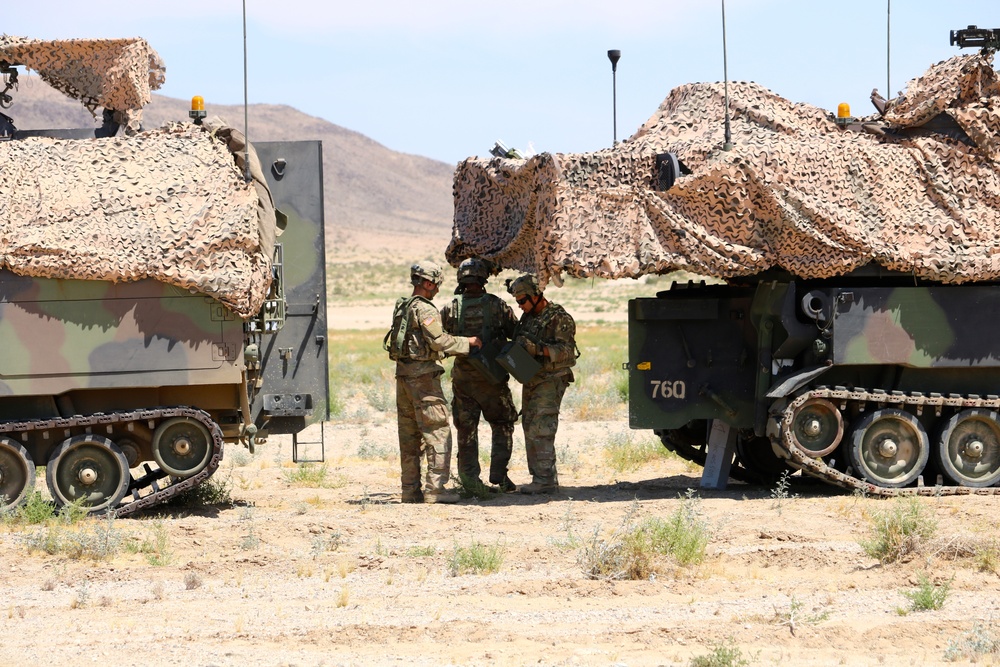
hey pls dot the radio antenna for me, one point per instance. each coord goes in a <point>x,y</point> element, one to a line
<point>246,115</point>
<point>728,145</point>
<point>888,14</point>
<point>614,55</point>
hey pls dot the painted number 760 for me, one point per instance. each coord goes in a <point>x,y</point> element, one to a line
<point>668,389</point>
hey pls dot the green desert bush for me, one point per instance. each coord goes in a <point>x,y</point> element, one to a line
<point>637,551</point>
<point>421,551</point>
<point>683,536</point>
<point>723,654</point>
<point>216,490</point>
<point>625,452</point>
<point>156,545</point>
<point>34,510</point>
<point>928,595</point>
<point>898,530</point>
<point>476,558</point>
<point>987,557</point>
<point>307,475</point>
<point>96,538</point>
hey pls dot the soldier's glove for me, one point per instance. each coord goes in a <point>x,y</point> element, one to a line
<point>529,345</point>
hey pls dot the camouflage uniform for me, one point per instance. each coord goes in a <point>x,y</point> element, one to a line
<point>421,410</point>
<point>541,397</point>
<point>490,318</point>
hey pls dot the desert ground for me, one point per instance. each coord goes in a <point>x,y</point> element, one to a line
<point>320,564</point>
<point>343,574</point>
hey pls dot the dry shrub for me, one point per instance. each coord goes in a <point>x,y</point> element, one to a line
<point>898,530</point>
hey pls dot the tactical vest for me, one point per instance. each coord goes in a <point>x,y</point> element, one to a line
<point>534,329</point>
<point>458,310</point>
<point>483,359</point>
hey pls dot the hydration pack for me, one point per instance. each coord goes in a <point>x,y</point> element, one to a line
<point>395,338</point>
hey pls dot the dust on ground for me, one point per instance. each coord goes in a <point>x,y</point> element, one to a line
<point>344,574</point>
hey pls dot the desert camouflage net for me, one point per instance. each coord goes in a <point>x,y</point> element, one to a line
<point>917,191</point>
<point>116,74</point>
<point>169,204</point>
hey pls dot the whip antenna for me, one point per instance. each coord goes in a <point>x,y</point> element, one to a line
<point>614,55</point>
<point>728,145</point>
<point>888,90</point>
<point>246,122</point>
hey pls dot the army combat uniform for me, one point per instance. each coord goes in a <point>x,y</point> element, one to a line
<point>542,396</point>
<point>475,393</point>
<point>421,410</point>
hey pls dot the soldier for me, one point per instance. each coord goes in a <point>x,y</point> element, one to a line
<point>416,343</point>
<point>479,384</point>
<point>548,333</point>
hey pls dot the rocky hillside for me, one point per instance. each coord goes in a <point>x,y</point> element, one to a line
<point>377,200</point>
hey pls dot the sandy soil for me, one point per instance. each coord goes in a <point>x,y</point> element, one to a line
<point>343,574</point>
<point>346,575</point>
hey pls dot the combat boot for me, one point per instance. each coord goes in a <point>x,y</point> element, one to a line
<point>507,486</point>
<point>442,496</point>
<point>536,488</point>
<point>409,496</point>
<point>503,483</point>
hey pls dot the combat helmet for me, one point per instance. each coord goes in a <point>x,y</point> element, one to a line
<point>426,270</point>
<point>473,270</point>
<point>524,285</point>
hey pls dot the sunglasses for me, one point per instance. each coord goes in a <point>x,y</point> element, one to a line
<point>523,300</point>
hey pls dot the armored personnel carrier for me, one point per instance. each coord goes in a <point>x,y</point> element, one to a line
<point>162,291</point>
<point>845,325</point>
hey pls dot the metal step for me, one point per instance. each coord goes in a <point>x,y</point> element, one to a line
<point>301,448</point>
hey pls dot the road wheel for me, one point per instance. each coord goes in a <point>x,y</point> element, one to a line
<point>17,474</point>
<point>889,448</point>
<point>182,446</point>
<point>817,427</point>
<point>969,448</point>
<point>88,468</point>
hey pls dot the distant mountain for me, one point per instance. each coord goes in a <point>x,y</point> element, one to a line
<point>377,201</point>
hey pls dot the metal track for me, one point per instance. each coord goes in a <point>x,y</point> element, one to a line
<point>780,431</point>
<point>155,487</point>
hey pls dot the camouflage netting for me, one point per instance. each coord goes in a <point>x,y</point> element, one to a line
<point>918,192</point>
<point>116,74</point>
<point>169,204</point>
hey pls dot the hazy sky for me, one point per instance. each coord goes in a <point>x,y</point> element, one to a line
<point>446,78</point>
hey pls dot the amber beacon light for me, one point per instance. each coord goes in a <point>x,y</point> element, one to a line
<point>197,109</point>
<point>844,114</point>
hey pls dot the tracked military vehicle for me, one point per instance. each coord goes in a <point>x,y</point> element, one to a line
<point>162,291</point>
<point>846,325</point>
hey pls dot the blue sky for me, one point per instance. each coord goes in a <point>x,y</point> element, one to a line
<point>446,78</point>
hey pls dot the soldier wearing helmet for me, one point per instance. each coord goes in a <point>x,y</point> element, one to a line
<point>479,384</point>
<point>548,333</point>
<point>417,342</point>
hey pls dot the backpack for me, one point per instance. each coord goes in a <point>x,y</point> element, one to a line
<point>396,336</point>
